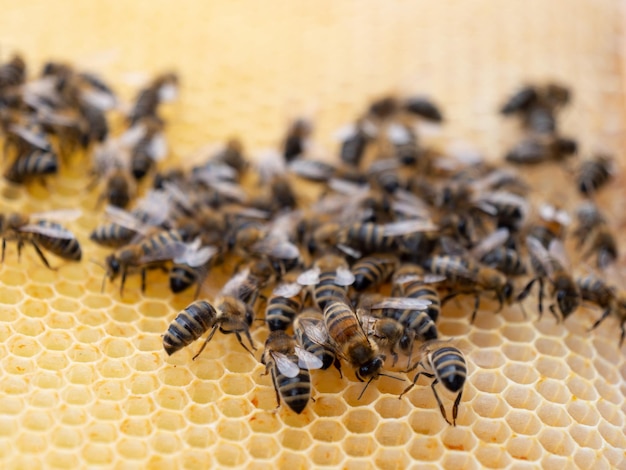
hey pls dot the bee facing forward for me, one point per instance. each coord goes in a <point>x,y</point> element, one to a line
<point>289,366</point>
<point>41,232</point>
<point>446,364</point>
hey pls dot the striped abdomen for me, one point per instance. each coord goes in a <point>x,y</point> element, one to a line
<point>295,391</point>
<point>327,290</point>
<point>449,366</point>
<point>189,325</point>
<point>369,237</point>
<point>342,324</point>
<point>417,290</point>
<point>112,235</point>
<point>372,271</point>
<point>281,311</point>
<point>36,163</point>
<point>66,248</point>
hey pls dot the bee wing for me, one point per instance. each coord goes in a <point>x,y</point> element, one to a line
<point>287,290</point>
<point>312,169</point>
<point>425,278</point>
<point>404,227</point>
<point>99,99</point>
<point>126,219</point>
<point>494,240</point>
<point>368,322</point>
<point>164,252</point>
<point>285,365</point>
<point>348,187</point>
<point>402,303</point>
<point>58,215</point>
<point>556,249</point>
<point>548,213</point>
<point>309,278</point>
<point>384,164</point>
<point>132,136</point>
<point>53,232</point>
<point>277,248</point>
<point>230,190</point>
<point>451,247</point>
<point>33,138</point>
<point>237,284</point>
<point>399,134</point>
<point>349,250</point>
<point>344,277</point>
<point>158,147</point>
<point>195,255</point>
<point>407,203</point>
<point>315,330</point>
<point>308,361</point>
<point>168,92</point>
<point>537,251</point>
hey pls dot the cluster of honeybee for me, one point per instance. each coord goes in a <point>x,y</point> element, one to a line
<point>355,275</point>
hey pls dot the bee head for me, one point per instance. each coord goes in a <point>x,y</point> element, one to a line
<point>370,369</point>
<point>112,266</point>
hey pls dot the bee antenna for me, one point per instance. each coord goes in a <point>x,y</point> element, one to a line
<point>97,263</point>
<point>365,388</point>
<point>390,376</point>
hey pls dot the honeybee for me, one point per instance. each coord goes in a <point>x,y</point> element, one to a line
<point>330,278</point>
<point>595,290</point>
<point>12,73</point>
<point>538,149</point>
<point>551,264</point>
<point>289,365</point>
<point>405,144</point>
<point>538,106</point>
<point>471,277</point>
<point>228,313</point>
<point>41,231</point>
<point>369,237</point>
<point>163,88</point>
<point>350,341</point>
<point>149,148</point>
<point>232,155</point>
<point>594,173</point>
<point>355,140</point>
<point>283,306</point>
<point>295,142</point>
<point>594,231</point>
<point>443,363</point>
<point>552,224</point>
<point>493,252</point>
<point>423,107</point>
<point>111,166</point>
<point>35,164</point>
<point>311,334</point>
<point>386,332</point>
<point>153,251</point>
<point>407,313</point>
<point>409,280</point>
<point>373,270</point>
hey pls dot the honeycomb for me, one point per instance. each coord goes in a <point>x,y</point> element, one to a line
<point>84,381</point>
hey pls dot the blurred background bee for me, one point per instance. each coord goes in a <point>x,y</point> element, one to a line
<point>43,232</point>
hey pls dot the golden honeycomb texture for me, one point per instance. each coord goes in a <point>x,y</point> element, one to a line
<point>84,380</point>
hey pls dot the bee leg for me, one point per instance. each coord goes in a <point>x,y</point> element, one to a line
<point>541,292</point>
<point>143,280</point>
<point>274,381</point>
<point>417,376</point>
<point>605,314</point>
<point>522,295</point>
<point>552,309</point>
<point>206,341</point>
<point>441,408</point>
<point>455,407</point>
<point>621,341</point>
<point>476,307</point>
<point>123,281</point>
<point>4,247</point>
<point>243,345</point>
<point>41,255</point>
<point>394,354</point>
<point>337,364</point>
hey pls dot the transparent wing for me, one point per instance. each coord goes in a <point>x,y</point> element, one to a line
<point>405,227</point>
<point>452,247</point>
<point>168,92</point>
<point>277,248</point>
<point>349,250</point>
<point>384,164</point>
<point>344,277</point>
<point>58,215</point>
<point>308,361</point>
<point>287,290</point>
<point>310,277</point>
<point>53,232</point>
<point>539,253</point>
<point>164,252</point>
<point>402,303</point>
<point>425,278</point>
<point>36,139</point>
<point>399,134</point>
<point>556,249</point>
<point>132,136</point>
<point>284,365</point>
<point>158,147</point>
<point>195,255</point>
<point>492,241</point>
<point>315,330</point>
<point>236,284</point>
<point>312,169</point>
<point>127,220</point>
